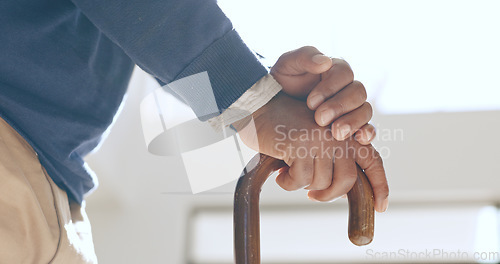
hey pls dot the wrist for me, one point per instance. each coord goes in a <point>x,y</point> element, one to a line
<point>241,124</point>
<point>251,101</point>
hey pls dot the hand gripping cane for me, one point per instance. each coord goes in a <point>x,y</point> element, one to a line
<point>246,209</point>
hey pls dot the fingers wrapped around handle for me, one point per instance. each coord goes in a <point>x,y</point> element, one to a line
<point>247,217</point>
<point>361,211</point>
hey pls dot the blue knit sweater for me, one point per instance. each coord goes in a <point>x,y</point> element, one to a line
<point>65,66</point>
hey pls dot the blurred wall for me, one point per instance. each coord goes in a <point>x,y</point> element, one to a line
<point>441,157</point>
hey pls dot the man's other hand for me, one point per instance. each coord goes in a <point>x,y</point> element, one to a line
<point>330,89</point>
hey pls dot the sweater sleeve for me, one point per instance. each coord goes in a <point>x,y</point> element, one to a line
<point>173,39</point>
<point>254,98</point>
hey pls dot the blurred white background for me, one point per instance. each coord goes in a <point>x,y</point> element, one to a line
<point>432,73</point>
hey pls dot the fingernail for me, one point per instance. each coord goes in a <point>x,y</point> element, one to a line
<point>327,116</point>
<point>320,59</point>
<point>383,207</point>
<point>344,130</point>
<point>316,100</point>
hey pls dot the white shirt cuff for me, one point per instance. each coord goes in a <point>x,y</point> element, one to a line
<point>253,99</point>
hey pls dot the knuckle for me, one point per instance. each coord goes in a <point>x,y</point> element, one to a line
<point>284,57</point>
<point>349,74</point>
<point>338,107</point>
<point>369,110</point>
<point>377,159</point>
<point>369,106</point>
<point>374,159</point>
<point>344,68</point>
<point>342,71</point>
<point>308,48</point>
<point>360,91</point>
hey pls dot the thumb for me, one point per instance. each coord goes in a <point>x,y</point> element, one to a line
<point>307,59</point>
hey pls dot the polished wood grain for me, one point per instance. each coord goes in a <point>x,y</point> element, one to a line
<point>361,211</point>
<point>247,218</point>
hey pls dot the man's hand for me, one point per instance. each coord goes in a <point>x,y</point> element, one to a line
<point>330,89</point>
<point>284,128</point>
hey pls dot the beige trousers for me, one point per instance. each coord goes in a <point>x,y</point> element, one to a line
<point>37,223</point>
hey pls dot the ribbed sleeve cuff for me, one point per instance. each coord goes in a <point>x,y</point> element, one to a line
<point>253,99</point>
<point>232,69</point>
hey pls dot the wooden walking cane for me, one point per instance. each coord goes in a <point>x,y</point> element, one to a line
<point>247,218</point>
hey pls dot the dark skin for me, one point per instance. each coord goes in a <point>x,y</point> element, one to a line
<point>329,87</point>
<point>309,165</point>
<point>322,97</point>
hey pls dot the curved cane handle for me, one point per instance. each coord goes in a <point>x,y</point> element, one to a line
<point>246,209</point>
